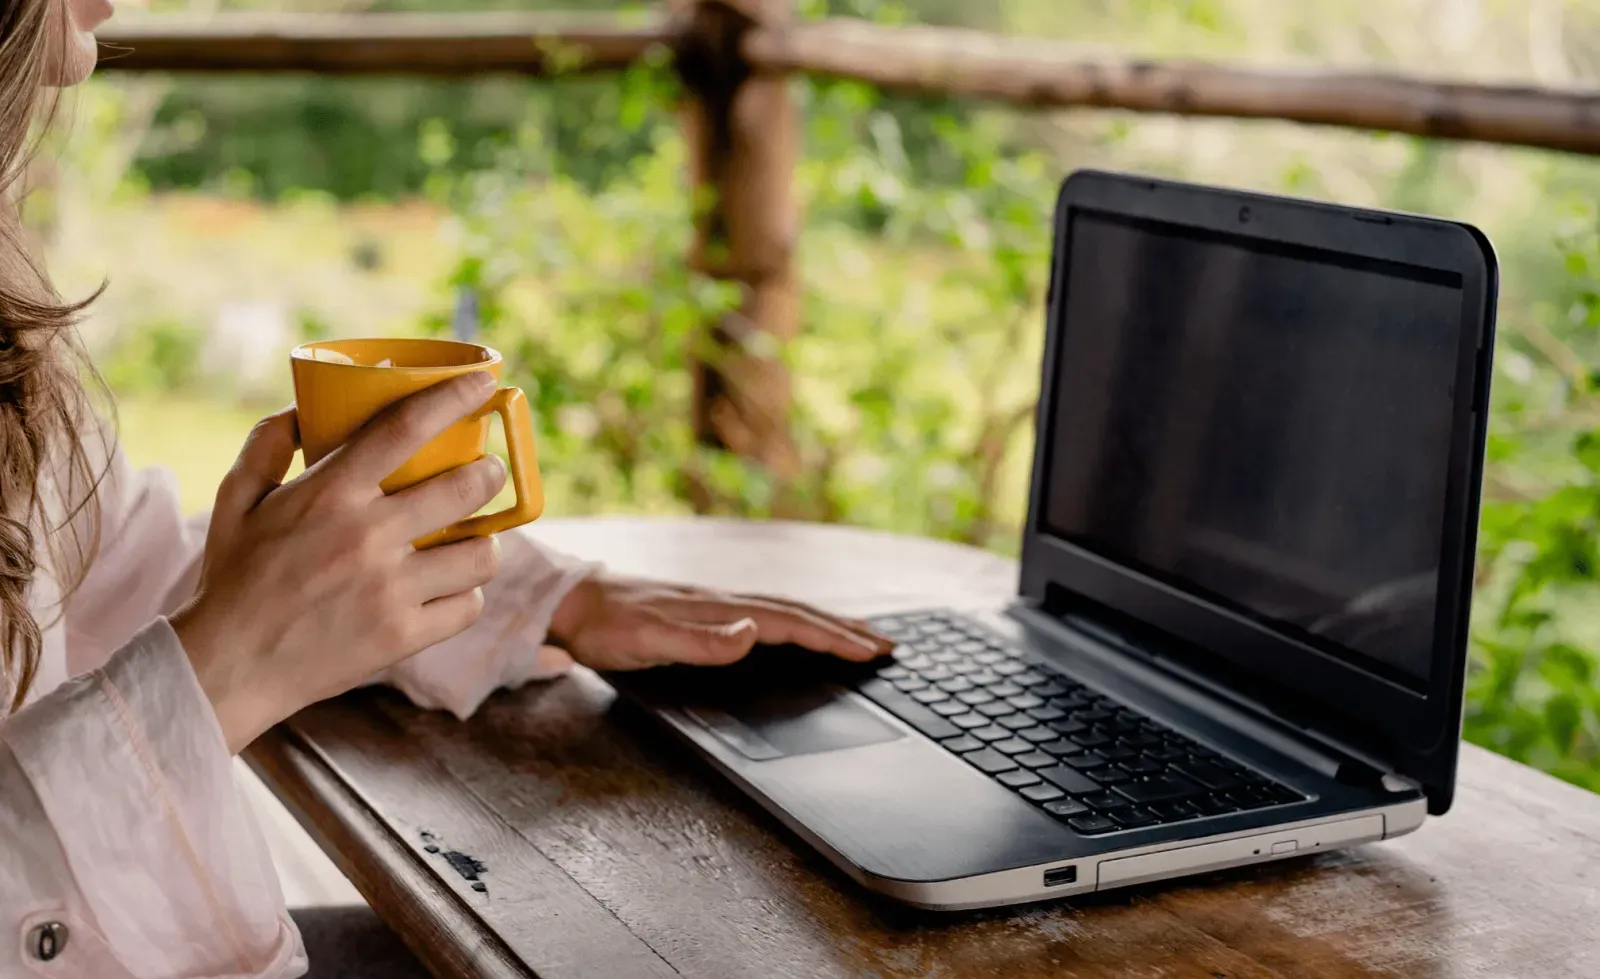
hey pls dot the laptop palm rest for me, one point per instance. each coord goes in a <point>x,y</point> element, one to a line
<point>777,702</point>
<point>796,723</point>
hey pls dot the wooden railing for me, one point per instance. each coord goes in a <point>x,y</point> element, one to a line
<point>734,57</point>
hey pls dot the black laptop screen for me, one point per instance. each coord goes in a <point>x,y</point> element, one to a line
<point>1267,427</point>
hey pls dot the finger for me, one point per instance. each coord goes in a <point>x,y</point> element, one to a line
<point>777,624</point>
<point>665,639</point>
<point>447,617</point>
<point>446,498</point>
<point>440,572</point>
<point>262,463</point>
<point>397,433</point>
<point>859,626</point>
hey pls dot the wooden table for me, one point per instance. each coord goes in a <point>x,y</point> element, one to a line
<point>608,851</point>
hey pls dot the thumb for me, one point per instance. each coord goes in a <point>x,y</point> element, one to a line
<point>700,644</point>
<point>260,468</point>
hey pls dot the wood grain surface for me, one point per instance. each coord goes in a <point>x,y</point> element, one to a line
<point>604,849</point>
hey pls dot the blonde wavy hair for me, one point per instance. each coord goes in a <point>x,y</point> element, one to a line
<point>48,480</point>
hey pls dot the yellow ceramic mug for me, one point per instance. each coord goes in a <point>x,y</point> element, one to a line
<point>339,387</point>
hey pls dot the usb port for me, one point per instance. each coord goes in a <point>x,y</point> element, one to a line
<point>1057,876</point>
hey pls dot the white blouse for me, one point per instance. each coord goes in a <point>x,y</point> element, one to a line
<point>126,849</point>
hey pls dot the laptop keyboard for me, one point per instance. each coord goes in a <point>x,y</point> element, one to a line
<point>1097,765</point>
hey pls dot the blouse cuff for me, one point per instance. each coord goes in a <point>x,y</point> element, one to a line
<point>505,647</point>
<point>131,769</point>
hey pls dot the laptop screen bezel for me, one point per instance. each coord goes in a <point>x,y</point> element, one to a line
<point>1414,729</point>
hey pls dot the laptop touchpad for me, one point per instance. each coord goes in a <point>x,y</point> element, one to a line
<point>801,722</point>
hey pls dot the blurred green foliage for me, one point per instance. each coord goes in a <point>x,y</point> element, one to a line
<point>152,358</point>
<point>923,259</point>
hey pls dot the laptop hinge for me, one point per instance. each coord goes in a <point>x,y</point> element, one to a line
<point>1174,680</point>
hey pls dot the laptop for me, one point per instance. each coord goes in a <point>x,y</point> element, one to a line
<point>1240,632</point>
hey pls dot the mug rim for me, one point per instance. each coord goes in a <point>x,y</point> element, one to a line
<point>300,353</point>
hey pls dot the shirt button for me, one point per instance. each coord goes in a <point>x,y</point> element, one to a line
<point>48,940</point>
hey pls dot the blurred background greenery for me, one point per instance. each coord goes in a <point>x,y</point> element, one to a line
<point>237,215</point>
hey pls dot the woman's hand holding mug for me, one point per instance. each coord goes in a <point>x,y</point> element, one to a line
<point>310,588</point>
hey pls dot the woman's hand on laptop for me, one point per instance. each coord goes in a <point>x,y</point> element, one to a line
<point>624,624</point>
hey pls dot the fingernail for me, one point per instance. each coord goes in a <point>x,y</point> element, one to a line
<point>483,381</point>
<point>494,545</point>
<point>496,464</point>
<point>734,628</point>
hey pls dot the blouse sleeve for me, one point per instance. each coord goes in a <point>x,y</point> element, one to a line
<point>126,849</point>
<point>505,648</point>
<point>148,564</point>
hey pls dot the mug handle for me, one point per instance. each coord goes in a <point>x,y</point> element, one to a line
<point>518,420</point>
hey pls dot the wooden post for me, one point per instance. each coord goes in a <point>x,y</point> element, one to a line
<point>743,137</point>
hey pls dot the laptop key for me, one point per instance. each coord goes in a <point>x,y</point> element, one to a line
<point>1118,752</point>
<point>894,673</point>
<point>1012,746</point>
<point>949,708</point>
<point>1061,747</point>
<point>1006,690</point>
<point>1209,775</point>
<point>1113,775</point>
<point>1046,713</point>
<point>984,677</point>
<point>1019,779</point>
<point>1134,817</point>
<point>907,684</point>
<point>1051,688</point>
<point>1065,808</point>
<point>1038,735</point>
<point>1142,766</point>
<point>1009,667</point>
<point>1090,759</point>
<point>1069,726</point>
<point>996,708</point>
<point>1104,800</point>
<point>967,722</point>
<point>962,744</point>
<point>1021,701</point>
<point>991,733</point>
<point>908,710</point>
<point>989,762</point>
<point>1162,789</point>
<point>970,647</point>
<point>1090,739</point>
<point>1069,779</point>
<point>930,697</point>
<point>1047,794</point>
<point>1030,678</point>
<point>954,684</point>
<point>1035,759</point>
<point>1174,811</point>
<point>974,697</point>
<point>1212,806</point>
<point>1015,722</point>
<point>1249,798</point>
<point>1091,824</point>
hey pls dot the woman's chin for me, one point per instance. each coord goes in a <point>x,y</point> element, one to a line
<point>75,64</point>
